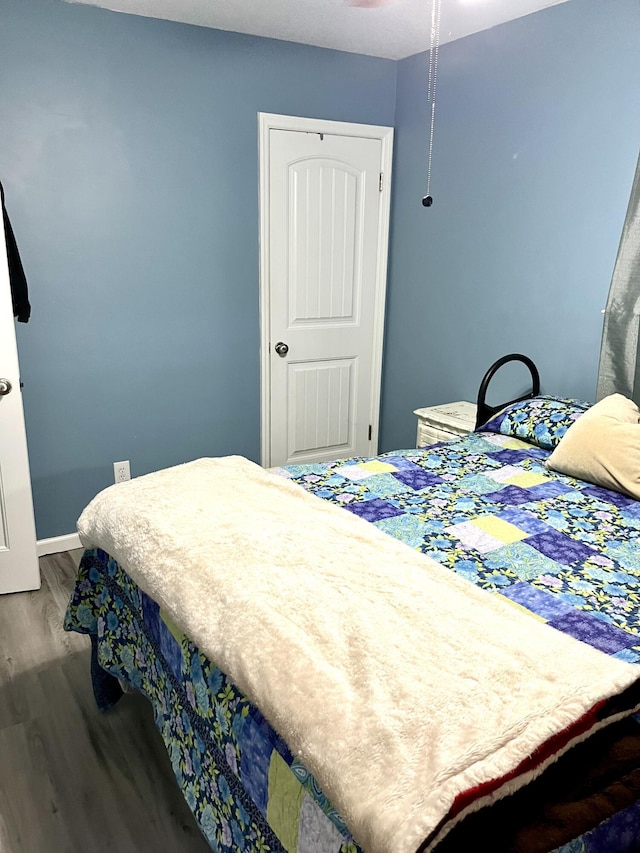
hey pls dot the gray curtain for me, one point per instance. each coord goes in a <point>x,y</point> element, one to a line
<point>620,353</point>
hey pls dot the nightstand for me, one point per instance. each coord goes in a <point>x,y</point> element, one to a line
<point>442,423</point>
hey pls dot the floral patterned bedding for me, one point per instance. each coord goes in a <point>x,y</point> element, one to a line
<point>486,507</point>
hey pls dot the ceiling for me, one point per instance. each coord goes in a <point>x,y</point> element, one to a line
<point>388,28</point>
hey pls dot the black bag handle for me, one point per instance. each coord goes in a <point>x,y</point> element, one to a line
<point>484,411</point>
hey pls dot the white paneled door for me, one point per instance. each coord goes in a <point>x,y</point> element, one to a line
<point>324,259</point>
<point>18,560</point>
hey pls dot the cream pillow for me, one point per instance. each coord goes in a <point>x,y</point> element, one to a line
<point>603,446</point>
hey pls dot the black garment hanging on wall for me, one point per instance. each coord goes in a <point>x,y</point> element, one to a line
<point>17,278</point>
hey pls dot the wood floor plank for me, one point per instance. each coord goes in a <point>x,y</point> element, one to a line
<point>73,779</point>
<point>21,694</point>
<point>28,802</point>
<point>77,747</point>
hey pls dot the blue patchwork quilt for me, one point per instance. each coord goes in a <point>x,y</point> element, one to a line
<point>486,507</point>
<point>566,551</point>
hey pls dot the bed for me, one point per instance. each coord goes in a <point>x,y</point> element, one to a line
<point>553,550</point>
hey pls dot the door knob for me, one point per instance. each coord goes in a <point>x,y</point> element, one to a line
<point>281,348</point>
<point>5,387</point>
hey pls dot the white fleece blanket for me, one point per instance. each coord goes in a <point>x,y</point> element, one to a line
<point>397,683</point>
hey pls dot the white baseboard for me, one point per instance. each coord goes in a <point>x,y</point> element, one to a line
<point>58,543</point>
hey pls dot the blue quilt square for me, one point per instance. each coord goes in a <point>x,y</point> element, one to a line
<point>385,486</point>
<point>544,491</point>
<point>609,497</point>
<point>417,478</point>
<point>541,603</point>
<point>512,495</point>
<point>523,520</point>
<point>479,484</point>
<point>632,510</point>
<point>374,510</point>
<point>595,632</point>
<point>400,462</point>
<point>255,752</point>
<point>521,560</point>
<point>305,470</point>
<point>407,528</point>
<point>539,452</point>
<point>170,649</point>
<point>560,547</point>
<point>509,457</point>
<point>165,640</point>
<point>624,553</point>
<point>151,614</point>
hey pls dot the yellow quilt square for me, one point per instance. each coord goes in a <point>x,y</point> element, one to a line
<point>514,444</point>
<point>524,609</point>
<point>501,530</point>
<point>284,802</point>
<point>377,467</point>
<point>527,479</point>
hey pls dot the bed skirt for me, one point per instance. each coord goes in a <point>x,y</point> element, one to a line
<point>211,732</point>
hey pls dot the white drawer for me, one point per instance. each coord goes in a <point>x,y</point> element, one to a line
<point>428,434</point>
<point>444,423</point>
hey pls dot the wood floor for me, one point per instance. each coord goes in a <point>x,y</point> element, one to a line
<point>74,779</point>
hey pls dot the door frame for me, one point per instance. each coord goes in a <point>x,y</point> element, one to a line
<point>24,573</point>
<point>266,123</point>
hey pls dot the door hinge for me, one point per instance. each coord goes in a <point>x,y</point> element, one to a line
<point>370,431</point>
<point>380,181</point>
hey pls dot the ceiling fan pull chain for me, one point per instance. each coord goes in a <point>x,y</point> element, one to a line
<point>427,201</point>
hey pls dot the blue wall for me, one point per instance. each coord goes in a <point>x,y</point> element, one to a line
<point>128,151</point>
<point>536,141</point>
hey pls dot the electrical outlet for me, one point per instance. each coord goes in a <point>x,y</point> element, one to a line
<point>121,471</point>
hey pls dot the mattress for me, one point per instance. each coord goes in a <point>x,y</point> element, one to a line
<point>485,507</point>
